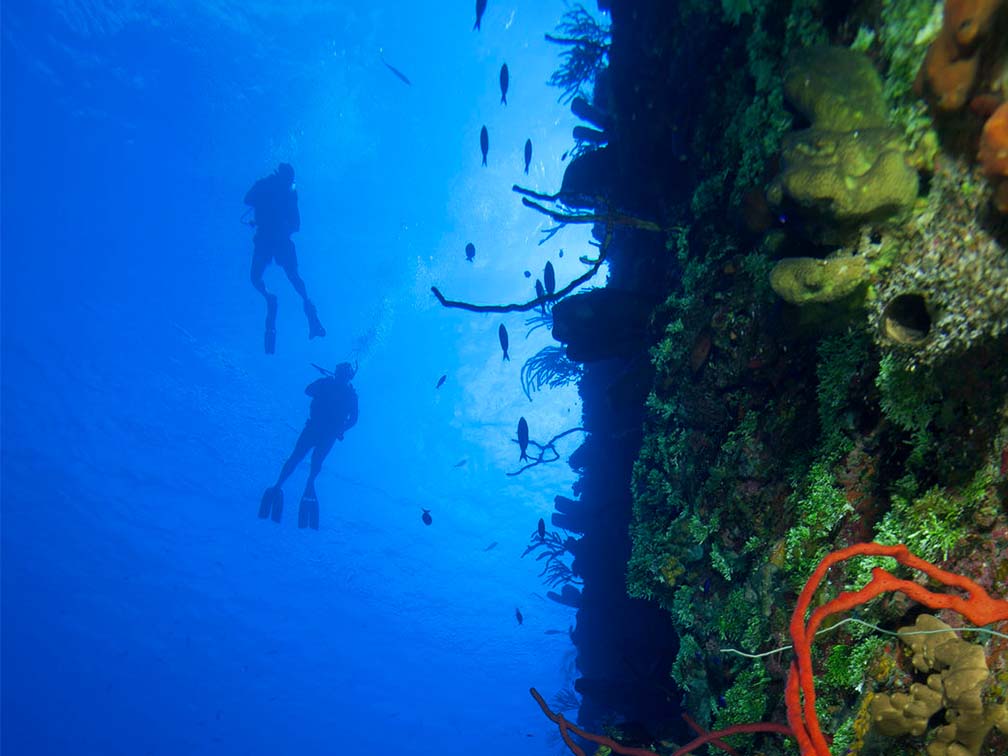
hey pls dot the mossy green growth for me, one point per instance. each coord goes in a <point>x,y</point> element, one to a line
<point>841,358</point>
<point>746,700</point>
<point>847,664</point>
<point>819,509</point>
<point>909,398</point>
<point>931,524</point>
<point>906,30</point>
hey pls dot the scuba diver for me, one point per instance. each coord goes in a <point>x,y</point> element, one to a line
<point>333,412</point>
<point>274,200</point>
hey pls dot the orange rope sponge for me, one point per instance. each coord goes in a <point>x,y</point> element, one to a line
<point>977,606</point>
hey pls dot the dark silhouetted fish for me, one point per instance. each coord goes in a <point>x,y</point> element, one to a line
<point>461,462</point>
<point>493,545</point>
<point>541,529</point>
<point>470,251</point>
<point>441,380</point>
<point>427,519</point>
<point>484,143</point>
<point>518,615</point>
<point>540,294</point>
<point>528,274</point>
<point>502,335</point>
<point>480,9</point>
<point>528,154</point>
<point>549,278</point>
<point>396,71</point>
<point>523,438</point>
<point>561,253</point>
<point>504,78</point>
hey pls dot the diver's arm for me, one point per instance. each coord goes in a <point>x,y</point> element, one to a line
<point>351,416</point>
<point>313,388</point>
<point>252,195</point>
<point>351,420</point>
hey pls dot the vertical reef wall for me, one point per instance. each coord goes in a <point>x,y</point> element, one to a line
<point>802,344</point>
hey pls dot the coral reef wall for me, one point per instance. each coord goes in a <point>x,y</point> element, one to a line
<point>826,359</point>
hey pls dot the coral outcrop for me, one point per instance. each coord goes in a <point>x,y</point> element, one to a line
<point>849,167</point>
<point>957,679</point>
<point>802,280</point>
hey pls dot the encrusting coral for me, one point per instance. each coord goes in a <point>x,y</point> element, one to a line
<point>957,674</point>
<point>804,280</point>
<point>850,166</point>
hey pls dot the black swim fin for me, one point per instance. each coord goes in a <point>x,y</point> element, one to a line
<point>308,512</point>
<point>314,324</point>
<point>271,314</point>
<point>272,503</point>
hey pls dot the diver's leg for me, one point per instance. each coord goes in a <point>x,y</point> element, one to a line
<point>289,263</point>
<point>304,443</point>
<point>259,263</point>
<point>309,511</point>
<point>260,259</point>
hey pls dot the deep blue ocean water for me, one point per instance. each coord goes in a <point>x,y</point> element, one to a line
<point>145,608</point>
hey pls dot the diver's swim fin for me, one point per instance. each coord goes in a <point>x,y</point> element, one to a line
<point>308,512</point>
<point>315,327</point>
<point>272,503</point>
<point>271,314</point>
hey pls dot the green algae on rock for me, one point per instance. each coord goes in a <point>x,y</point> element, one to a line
<point>804,280</point>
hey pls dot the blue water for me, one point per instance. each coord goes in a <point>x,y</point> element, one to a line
<point>145,608</point>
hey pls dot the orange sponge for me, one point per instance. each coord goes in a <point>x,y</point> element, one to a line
<point>993,155</point>
<point>951,63</point>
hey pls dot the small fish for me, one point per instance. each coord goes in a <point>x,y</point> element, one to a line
<point>540,295</point>
<point>563,157</point>
<point>528,274</point>
<point>502,335</point>
<point>523,438</point>
<point>484,143</point>
<point>461,462</point>
<point>440,381</point>
<point>427,519</point>
<point>470,251</point>
<point>549,278</point>
<point>493,544</point>
<point>396,71</point>
<point>541,529</point>
<point>480,9</point>
<point>528,154</point>
<point>518,615</point>
<point>561,253</point>
<point>504,78</point>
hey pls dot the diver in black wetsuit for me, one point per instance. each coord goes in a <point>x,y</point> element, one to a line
<point>333,412</point>
<point>274,200</point>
